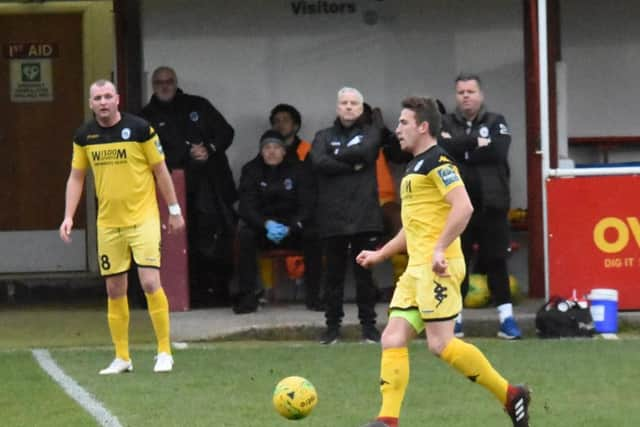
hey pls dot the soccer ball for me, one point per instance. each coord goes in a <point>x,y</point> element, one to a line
<point>478,295</point>
<point>294,398</point>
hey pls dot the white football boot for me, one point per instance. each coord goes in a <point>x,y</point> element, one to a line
<point>164,363</point>
<point>118,366</point>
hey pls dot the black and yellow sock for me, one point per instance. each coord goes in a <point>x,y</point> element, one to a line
<point>158,307</point>
<point>118,319</point>
<point>394,379</point>
<point>470,362</point>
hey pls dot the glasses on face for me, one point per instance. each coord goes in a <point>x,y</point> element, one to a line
<point>159,82</point>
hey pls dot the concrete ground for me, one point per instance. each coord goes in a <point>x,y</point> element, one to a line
<point>296,322</point>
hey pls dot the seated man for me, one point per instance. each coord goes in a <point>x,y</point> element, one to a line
<point>276,196</point>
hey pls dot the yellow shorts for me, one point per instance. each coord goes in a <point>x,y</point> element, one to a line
<point>116,244</point>
<point>436,298</point>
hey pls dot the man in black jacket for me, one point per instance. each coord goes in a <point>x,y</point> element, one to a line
<point>276,198</point>
<point>479,142</point>
<point>348,213</point>
<point>194,137</point>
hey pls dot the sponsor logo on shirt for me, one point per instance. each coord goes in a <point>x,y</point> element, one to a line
<point>448,175</point>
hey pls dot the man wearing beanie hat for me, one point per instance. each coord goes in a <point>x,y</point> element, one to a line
<point>286,119</point>
<point>276,200</point>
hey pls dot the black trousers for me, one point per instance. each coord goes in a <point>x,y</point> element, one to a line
<point>489,228</point>
<point>340,252</point>
<point>211,261</point>
<point>252,241</point>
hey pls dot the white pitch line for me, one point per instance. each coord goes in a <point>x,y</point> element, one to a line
<point>73,389</point>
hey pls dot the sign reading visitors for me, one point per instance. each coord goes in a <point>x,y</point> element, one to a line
<point>30,71</point>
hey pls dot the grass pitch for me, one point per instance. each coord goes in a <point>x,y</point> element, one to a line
<point>575,383</point>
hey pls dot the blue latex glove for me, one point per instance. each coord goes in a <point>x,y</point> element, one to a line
<point>272,228</point>
<point>282,232</point>
<point>276,231</point>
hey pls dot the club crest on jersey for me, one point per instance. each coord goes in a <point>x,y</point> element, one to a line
<point>448,175</point>
<point>484,131</point>
<point>288,184</point>
<point>194,116</point>
<point>126,133</point>
<point>354,141</point>
<point>418,165</point>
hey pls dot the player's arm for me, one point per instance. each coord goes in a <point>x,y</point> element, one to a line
<point>165,185</point>
<point>396,245</point>
<point>75,184</point>
<point>461,210</point>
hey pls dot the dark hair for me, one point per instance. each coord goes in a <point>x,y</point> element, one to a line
<point>426,110</point>
<point>286,108</point>
<point>465,77</point>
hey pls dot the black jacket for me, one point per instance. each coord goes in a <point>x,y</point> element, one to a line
<point>344,161</point>
<point>485,170</point>
<point>282,193</point>
<point>190,119</point>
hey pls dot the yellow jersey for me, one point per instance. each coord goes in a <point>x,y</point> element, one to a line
<point>428,178</point>
<point>121,158</point>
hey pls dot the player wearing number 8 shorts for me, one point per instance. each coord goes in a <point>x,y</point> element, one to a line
<point>125,156</point>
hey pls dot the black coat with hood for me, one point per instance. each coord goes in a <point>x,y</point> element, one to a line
<point>189,119</point>
<point>484,170</point>
<point>344,162</point>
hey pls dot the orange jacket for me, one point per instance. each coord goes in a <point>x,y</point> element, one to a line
<point>303,149</point>
<point>386,187</point>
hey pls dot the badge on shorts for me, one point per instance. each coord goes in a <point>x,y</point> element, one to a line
<point>194,116</point>
<point>288,184</point>
<point>504,130</point>
<point>484,132</point>
<point>448,175</point>
<point>126,133</point>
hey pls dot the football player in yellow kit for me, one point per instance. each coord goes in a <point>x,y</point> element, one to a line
<point>435,211</point>
<point>125,155</point>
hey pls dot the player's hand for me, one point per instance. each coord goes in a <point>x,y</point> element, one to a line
<point>439,263</point>
<point>65,230</point>
<point>176,223</point>
<point>368,259</point>
<point>445,135</point>
<point>483,142</point>
<point>199,152</point>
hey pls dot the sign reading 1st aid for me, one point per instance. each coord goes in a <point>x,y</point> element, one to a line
<point>30,71</point>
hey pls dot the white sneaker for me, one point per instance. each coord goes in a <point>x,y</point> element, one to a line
<point>118,366</point>
<point>164,363</point>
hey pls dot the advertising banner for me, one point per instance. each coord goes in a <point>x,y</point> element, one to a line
<point>594,236</point>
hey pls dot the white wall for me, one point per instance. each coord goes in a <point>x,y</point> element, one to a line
<point>247,56</point>
<point>601,46</point>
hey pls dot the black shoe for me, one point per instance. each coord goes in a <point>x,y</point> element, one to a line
<point>330,336</point>
<point>246,304</point>
<point>370,334</point>
<point>375,423</point>
<point>518,398</point>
